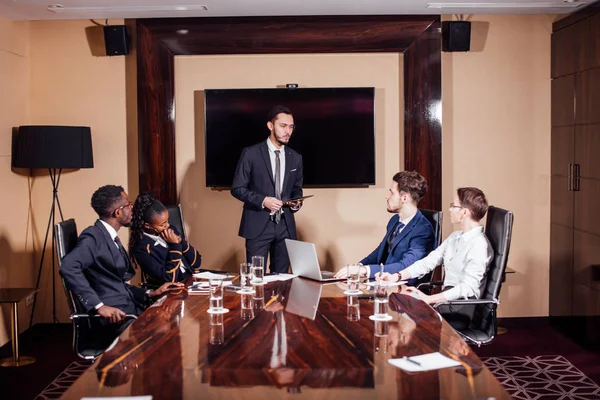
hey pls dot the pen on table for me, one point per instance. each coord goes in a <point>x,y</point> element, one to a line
<point>412,361</point>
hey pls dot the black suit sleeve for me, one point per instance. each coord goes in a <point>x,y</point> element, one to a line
<point>241,182</point>
<point>72,270</point>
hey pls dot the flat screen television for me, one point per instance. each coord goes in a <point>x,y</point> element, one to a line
<point>334,132</point>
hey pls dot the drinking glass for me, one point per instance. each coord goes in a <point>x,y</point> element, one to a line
<point>216,295</point>
<point>380,337</point>
<point>381,300</point>
<point>353,308</point>
<point>245,277</point>
<point>258,269</point>
<point>353,280</point>
<point>217,329</point>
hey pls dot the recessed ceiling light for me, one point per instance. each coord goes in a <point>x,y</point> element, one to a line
<point>59,9</point>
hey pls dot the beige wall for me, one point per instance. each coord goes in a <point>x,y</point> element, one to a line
<point>70,86</point>
<point>16,257</point>
<point>496,136</point>
<point>497,99</point>
<point>341,231</point>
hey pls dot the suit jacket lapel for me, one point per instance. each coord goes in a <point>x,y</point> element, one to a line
<point>286,174</point>
<point>116,254</point>
<point>265,153</point>
<point>406,229</point>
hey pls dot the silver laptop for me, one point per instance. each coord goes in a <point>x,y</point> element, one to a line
<point>304,298</point>
<point>304,262</point>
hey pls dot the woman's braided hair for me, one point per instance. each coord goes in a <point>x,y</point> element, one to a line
<point>146,206</point>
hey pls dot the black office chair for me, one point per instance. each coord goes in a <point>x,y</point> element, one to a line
<point>85,343</point>
<point>176,219</point>
<point>483,328</point>
<point>435,219</point>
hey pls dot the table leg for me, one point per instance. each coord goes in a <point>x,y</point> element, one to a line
<point>15,360</point>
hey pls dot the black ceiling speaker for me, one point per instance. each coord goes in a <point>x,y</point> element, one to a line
<point>115,40</point>
<point>456,36</point>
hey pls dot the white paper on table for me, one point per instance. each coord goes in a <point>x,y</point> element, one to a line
<point>428,362</point>
<point>280,277</point>
<point>119,398</point>
<point>211,275</point>
<point>390,284</point>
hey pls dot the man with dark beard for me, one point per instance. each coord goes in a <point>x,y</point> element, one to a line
<point>268,175</point>
<point>97,271</point>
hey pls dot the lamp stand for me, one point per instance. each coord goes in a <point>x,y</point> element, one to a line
<point>55,178</point>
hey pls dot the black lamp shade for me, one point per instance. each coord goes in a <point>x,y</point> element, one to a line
<point>38,146</point>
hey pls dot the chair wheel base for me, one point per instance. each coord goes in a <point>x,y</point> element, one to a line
<point>23,360</point>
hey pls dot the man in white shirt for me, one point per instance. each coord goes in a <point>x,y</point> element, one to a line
<point>465,254</point>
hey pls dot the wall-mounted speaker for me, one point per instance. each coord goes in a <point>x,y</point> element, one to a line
<point>456,36</point>
<point>115,40</point>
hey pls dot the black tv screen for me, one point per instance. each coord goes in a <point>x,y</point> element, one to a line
<point>334,132</point>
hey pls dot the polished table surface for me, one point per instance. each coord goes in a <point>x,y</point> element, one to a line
<point>299,338</point>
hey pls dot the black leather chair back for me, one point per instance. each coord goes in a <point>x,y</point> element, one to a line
<point>176,219</point>
<point>435,219</point>
<point>65,235</point>
<point>498,230</point>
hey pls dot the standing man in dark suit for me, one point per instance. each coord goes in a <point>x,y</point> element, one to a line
<point>97,271</point>
<point>268,175</point>
<point>409,236</point>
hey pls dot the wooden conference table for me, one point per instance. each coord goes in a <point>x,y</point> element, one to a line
<point>293,338</point>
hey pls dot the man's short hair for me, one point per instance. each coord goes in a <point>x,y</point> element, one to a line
<point>105,199</point>
<point>275,111</point>
<point>473,200</point>
<point>413,183</point>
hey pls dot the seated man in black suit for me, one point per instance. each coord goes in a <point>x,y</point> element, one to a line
<point>97,271</point>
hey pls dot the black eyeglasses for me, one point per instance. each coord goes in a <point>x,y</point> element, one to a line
<point>452,205</point>
<point>122,207</point>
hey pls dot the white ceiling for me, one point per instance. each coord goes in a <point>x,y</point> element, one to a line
<point>100,9</point>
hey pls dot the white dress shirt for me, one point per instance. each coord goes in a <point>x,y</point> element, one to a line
<point>273,157</point>
<point>465,256</point>
<point>113,235</point>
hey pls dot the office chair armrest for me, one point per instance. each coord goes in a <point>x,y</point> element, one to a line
<point>428,284</point>
<point>467,302</point>
<point>76,316</point>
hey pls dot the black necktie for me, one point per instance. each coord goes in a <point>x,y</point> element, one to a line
<point>395,232</point>
<point>123,252</point>
<point>277,184</point>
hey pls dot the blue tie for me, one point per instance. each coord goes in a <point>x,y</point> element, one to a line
<point>395,232</point>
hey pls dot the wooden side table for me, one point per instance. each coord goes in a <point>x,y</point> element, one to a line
<point>15,296</point>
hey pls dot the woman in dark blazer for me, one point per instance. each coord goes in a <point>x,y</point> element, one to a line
<point>154,245</point>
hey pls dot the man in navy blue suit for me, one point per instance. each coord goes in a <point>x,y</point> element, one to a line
<point>409,236</point>
<point>268,175</point>
<point>98,269</point>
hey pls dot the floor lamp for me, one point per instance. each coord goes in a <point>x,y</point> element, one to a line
<point>53,148</point>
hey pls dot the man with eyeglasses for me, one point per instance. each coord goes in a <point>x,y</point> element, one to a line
<point>98,270</point>
<point>466,254</point>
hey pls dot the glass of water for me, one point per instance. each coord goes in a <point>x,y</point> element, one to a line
<point>258,297</point>
<point>216,295</point>
<point>245,278</point>
<point>353,308</point>
<point>258,269</point>
<point>381,300</point>
<point>353,274</point>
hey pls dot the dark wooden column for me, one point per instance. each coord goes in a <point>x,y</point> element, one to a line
<point>159,40</point>
<point>422,112</point>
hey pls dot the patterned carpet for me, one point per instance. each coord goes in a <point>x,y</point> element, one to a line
<point>542,377</point>
<point>526,378</point>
